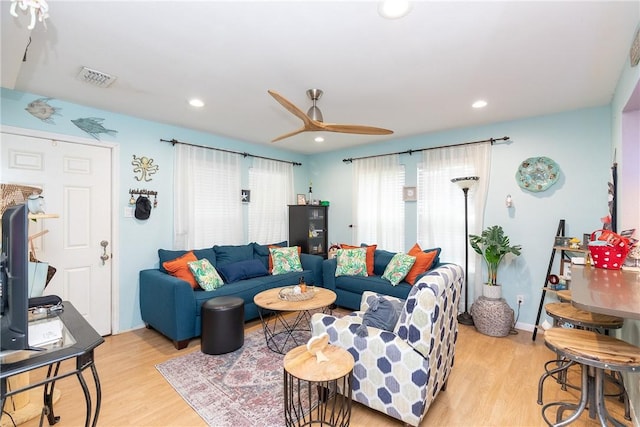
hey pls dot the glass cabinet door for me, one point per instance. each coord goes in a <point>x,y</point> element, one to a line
<point>308,228</point>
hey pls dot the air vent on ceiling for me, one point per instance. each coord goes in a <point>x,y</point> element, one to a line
<point>96,78</point>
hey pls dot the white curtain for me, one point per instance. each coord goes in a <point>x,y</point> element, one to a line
<point>207,198</point>
<point>378,208</point>
<point>441,205</point>
<point>271,185</point>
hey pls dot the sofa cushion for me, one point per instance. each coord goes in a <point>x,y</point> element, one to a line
<point>241,270</point>
<point>228,254</point>
<point>165,255</point>
<point>351,262</point>
<point>179,268</point>
<point>371,249</point>
<point>424,261</point>
<point>205,274</point>
<point>261,252</point>
<point>398,268</point>
<point>276,246</point>
<point>381,259</point>
<point>360,284</point>
<point>436,260</point>
<point>285,260</point>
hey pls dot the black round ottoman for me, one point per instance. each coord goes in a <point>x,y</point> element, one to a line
<point>222,325</point>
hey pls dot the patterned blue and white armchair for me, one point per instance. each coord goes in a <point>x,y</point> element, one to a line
<point>400,372</point>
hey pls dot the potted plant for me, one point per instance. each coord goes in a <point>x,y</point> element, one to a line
<point>493,245</point>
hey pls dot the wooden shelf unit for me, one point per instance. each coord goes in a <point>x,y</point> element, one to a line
<point>565,257</point>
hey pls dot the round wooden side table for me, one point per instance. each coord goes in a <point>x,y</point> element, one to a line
<point>279,330</point>
<point>317,394</point>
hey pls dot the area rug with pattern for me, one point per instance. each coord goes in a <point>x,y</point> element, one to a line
<point>241,388</point>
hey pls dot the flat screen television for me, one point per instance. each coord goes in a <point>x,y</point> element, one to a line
<point>14,274</point>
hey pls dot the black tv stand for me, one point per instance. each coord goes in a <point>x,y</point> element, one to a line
<point>81,346</point>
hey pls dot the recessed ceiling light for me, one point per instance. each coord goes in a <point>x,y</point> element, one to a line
<point>318,139</point>
<point>196,103</point>
<point>479,104</point>
<point>394,9</point>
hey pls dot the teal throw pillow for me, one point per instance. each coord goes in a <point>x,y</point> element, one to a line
<point>351,262</point>
<point>398,268</point>
<point>205,274</point>
<point>285,260</point>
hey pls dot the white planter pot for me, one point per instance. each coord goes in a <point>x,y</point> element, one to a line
<point>492,292</point>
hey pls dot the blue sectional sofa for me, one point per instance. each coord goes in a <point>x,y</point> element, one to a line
<point>349,289</point>
<point>172,307</point>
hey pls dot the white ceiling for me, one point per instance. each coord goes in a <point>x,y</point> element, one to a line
<point>414,75</point>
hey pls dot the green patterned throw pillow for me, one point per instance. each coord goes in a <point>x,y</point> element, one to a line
<point>398,268</point>
<point>351,262</point>
<point>285,260</point>
<point>205,274</point>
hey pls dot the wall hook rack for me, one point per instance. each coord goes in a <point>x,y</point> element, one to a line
<point>143,192</point>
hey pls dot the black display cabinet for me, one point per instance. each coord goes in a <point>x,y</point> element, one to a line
<point>308,228</point>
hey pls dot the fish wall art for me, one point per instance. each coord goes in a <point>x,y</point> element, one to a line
<point>93,126</point>
<point>41,109</point>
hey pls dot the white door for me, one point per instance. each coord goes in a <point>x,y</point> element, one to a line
<point>76,183</point>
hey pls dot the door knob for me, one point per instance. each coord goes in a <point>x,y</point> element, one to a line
<point>104,255</point>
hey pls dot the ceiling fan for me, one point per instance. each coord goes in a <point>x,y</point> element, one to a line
<point>313,121</point>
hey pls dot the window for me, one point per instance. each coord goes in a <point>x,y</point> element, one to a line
<point>441,220</point>
<point>207,204</point>
<point>378,206</point>
<point>271,184</point>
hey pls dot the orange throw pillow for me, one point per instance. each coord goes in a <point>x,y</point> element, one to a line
<point>422,264</point>
<point>271,259</point>
<point>179,268</point>
<point>369,257</point>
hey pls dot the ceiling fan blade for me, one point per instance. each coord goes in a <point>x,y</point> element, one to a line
<point>292,108</point>
<point>311,125</point>
<point>287,135</point>
<point>358,129</point>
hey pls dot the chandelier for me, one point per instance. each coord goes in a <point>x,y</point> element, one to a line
<point>38,8</point>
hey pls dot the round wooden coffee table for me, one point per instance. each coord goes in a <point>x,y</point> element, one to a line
<point>279,331</point>
<point>318,394</point>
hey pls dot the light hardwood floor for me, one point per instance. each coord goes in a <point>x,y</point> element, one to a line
<point>493,383</point>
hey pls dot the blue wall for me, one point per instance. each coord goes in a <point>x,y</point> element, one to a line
<point>139,240</point>
<point>579,141</point>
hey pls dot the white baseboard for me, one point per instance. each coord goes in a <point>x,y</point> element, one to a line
<point>525,327</point>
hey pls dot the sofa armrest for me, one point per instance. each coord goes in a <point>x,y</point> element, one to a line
<point>329,273</point>
<point>376,356</point>
<point>431,309</point>
<point>313,263</point>
<point>167,304</point>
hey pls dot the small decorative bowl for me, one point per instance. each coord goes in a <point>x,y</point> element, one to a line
<point>288,294</point>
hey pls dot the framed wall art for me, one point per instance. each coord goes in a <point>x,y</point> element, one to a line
<point>409,194</point>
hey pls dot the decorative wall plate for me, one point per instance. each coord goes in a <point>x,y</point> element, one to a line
<point>537,174</point>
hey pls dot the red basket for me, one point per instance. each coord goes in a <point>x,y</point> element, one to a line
<point>610,255</point>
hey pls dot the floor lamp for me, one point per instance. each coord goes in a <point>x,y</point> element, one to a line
<point>466,183</point>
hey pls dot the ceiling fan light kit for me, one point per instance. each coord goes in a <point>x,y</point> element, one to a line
<point>394,9</point>
<point>313,121</point>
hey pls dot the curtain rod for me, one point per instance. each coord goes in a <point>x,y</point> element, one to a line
<point>175,141</point>
<point>410,152</point>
